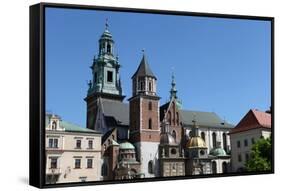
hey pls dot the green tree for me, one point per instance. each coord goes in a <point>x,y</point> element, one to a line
<point>261,154</point>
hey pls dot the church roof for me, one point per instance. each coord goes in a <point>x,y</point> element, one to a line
<point>115,112</point>
<point>209,119</point>
<point>144,69</point>
<point>252,120</point>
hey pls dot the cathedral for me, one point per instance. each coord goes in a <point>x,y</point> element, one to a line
<point>143,139</point>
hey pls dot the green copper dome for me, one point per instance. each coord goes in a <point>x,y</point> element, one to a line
<point>218,152</point>
<point>126,145</point>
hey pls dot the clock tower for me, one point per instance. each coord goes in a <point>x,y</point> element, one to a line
<point>105,82</point>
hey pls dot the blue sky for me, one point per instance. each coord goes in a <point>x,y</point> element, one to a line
<point>220,65</point>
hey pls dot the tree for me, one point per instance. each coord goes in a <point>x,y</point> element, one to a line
<point>261,154</point>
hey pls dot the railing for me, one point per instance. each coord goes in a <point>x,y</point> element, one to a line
<point>54,171</point>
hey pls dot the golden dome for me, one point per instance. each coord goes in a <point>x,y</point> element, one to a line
<point>196,142</point>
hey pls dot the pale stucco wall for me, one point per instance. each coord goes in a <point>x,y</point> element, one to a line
<point>67,152</point>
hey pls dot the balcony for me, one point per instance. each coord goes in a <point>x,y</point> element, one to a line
<point>53,171</point>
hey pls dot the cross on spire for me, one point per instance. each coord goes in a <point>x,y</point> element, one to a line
<point>106,23</point>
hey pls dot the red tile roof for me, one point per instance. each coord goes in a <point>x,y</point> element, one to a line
<point>252,120</point>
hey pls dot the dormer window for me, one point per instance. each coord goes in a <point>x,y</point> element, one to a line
<point>54,125</point>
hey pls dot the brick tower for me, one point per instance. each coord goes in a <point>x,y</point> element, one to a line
<point>144,118</point>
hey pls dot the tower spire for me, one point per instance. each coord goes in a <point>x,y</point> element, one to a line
<point>173,91</point>
<point>106,24</point>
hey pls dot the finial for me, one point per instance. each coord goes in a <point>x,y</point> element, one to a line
<point>143,50</point>
<point>194,118</point>
<point>106,23</point>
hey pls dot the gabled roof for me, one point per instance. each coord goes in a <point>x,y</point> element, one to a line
<point>115,112</point>
<point>252,120</point>
<point>144,69</point>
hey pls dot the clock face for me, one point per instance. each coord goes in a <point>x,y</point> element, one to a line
<point>202,152</point>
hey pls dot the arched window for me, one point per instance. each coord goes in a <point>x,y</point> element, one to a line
<point>150,86</point>
<point>141,86</point>
<point>203,135</point>
<point>150,123</point>
<point>104,169</point>
<point>214,137</point>
<point>214,167</point>
<point>174,134</point>
<point>108,50</point>
<point>224,167</point>
<point>178,118</point>
<point>54,125</point>
<point>224,141</point>
<point>150,167</point>
<point>150,105</point>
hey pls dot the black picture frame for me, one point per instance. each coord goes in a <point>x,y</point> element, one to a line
<point>37,91</point>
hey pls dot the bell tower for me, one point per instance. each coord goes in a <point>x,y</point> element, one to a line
<point>144,118</point>
<point>105,82</point>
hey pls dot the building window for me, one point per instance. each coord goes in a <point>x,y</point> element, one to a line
<point>203,135</point>
<point>178,119</point>
<point>54,163</point>
<point>224,167</point>
<point>224,141</point>
<point>89,163</point>
<point>239,158</point>
<point>247,157</point>
<point>90,144</point>
<point>245,142</point>
<point>150,167</point>
<point>104,169</point>
<point>173,151</point>
<point>150,123</point>
<point>141,86</point>
<point>214,167</point>
<point>54,125</point>
<point>108,48</point>
<point>253,141</point>
<point>78,144</point>
<point>150,105</point>
<point>53,143</point>
<point>238,144</point>
<point>95,78</point>
<point>77,163</point>
<point>174,134</point>
<point>109,76</point>
<point>150,86</point>
<point>214,136</point>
